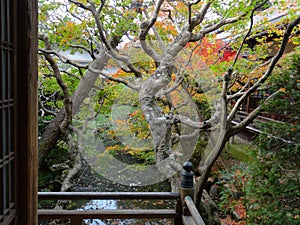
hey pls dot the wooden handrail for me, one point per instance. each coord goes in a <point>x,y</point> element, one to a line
<point>108,195</point>
<point>193,210</point>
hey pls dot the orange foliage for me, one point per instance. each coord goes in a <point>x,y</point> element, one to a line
<point>240,209</point>
<point>211,52</point>
<point>229,221</point>
<point>166,28</point>
<point>119,74</point>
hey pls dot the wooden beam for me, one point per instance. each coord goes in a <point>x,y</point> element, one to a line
<point>108,214</point>
<point>108,195</point>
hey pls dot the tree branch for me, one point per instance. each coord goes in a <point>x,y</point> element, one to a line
<point>151,22</point>
<point>83,48</point>
<point>248,33</point>
<point>247,120</point>
<point>147,49</point>
<point>107,44</point>
<point>144,29</point>
<point>81,5</point>
<point>193,124</point>
<point>170,16</point>
<point>108,76</point>
<point>101,6</point>
<point>62,58</point>
<point>67,99</point>
<point>240,92</point>
<point>195,21</point>
<point>44,109</point>
<point>160,41</point>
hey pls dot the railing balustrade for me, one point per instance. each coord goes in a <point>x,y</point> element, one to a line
<point>184,212</point>
<point>77,216</point>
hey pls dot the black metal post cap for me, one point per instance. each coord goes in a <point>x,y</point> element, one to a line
<point>188,166</point>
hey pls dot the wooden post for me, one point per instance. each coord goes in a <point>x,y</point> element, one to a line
<point>178,221</point>
<point>186,186</point>
<point>26,110</point>
<point>76,221</point>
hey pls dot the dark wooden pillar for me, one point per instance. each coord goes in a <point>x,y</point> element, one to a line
<point>26,26</point>
<point>187,185</point>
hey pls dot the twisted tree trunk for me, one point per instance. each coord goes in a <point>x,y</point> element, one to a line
<point>159,124</point>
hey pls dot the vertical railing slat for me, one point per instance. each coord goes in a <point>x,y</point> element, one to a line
<point>76,221</point>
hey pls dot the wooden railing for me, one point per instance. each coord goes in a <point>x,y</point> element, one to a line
<point>193,216</point>
<point>77,216</point>
<point>183,213</point>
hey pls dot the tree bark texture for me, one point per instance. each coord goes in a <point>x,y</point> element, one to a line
<point>159,124</point>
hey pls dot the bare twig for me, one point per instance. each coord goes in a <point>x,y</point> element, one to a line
<point>248,32</point>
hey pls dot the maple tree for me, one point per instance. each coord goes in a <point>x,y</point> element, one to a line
<point>169,55</point>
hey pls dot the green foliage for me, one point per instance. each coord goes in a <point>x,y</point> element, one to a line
<point>270,177</point>
<point>58,155</point>
<point>48,177</point>
<point>47,204</point>
<point>287,78</point>
<point>273,188</point>
<point>42,123</point>
<point>147,157</point>
<point>72,29</point>
<point>232,185</point>
<point>109,94</point>
<point>239,151</point>
<point>61,28</point>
